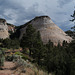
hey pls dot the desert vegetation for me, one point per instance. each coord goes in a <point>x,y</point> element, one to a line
<point>58,60</point>
<point>48,58</point>
<point>37,58</point>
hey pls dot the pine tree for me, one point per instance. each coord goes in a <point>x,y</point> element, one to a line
<point>38,51</point>
<point>72,55</point>
<point>48,57</point>
<point>73,20</point>
<point>28,38</point>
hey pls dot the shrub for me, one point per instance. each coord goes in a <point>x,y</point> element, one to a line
<point>2,57</point>
<point>18,53</point>
<point>9,58</point>
<point>25,57</point>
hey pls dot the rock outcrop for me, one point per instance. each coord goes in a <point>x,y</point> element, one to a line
<point>3,29</point>
<point>11,27</point>
<point>48,30</point>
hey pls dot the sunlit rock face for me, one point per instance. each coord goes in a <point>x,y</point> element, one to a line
<point>3,29</point>
<point>48,30</point>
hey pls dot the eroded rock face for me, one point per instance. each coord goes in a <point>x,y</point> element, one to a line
<point>11,27</point>
<point>48,30</point>
<point>3,29</point>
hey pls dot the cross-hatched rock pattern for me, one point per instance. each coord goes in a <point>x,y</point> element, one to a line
<point>48,30</point>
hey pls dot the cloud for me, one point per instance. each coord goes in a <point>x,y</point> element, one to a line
<point>66,25</point>
<point>18,14</point>
<point>63,2</point>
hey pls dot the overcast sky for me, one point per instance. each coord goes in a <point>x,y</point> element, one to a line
<point>18,12</point>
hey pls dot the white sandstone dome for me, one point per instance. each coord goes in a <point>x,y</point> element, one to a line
<point>3,29</point>
<point>48,30</point>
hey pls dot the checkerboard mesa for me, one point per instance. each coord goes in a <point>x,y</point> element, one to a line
<point>48,30</point>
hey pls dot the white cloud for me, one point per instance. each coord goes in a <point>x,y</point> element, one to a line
<point>11,14</point>
<point>63,2</point>
<point>18,15</point>
<point>20,11</point>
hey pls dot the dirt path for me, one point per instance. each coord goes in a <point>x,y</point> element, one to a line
<point>7,68</point>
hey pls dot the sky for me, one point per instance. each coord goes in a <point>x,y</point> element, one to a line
<point>19,12</point>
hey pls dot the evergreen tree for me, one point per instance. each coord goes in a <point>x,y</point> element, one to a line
<point>8,43</point>
<point>73,16</point>
<point>57,59</point>
<point>69,32</point>
<point>74,24</point>
<point>48,57</point>
<point>72,55</point>
<point>2,58</point>
<point>28,38</point>
<point>39,49</point>
<point>15,44</point>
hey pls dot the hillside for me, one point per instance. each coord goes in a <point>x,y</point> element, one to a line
<point>48,30</point>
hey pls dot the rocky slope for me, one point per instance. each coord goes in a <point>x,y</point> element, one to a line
<point>3,29</point>
<point>11,27</point>
<point>48,30</point>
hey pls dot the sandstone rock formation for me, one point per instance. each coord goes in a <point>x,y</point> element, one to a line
<point>11,27</point>
<point>3,29</point>
<point>48,30</point>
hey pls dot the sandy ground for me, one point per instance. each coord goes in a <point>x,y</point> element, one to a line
<point>7,70</point>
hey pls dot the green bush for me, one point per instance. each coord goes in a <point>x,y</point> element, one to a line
<point>9,58</point>
<point>18,53</point>
<point>22,55</point>
<point>2,57</point>
<point>2,61</point>
<point>25,57</point>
